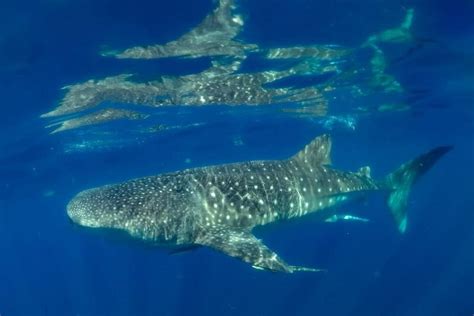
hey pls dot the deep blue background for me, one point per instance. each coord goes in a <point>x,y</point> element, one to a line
<point>48,267</point>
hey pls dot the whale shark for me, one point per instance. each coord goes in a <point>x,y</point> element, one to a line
<point>219,206</point>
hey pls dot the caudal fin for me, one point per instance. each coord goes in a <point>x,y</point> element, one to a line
<point>401,180</point>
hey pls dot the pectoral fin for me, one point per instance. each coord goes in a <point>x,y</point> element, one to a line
<point>246,247</point>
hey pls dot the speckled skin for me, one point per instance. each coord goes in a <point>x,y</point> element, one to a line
<point>218,206</point>
<point>217,85</point>
<point>212,37</point>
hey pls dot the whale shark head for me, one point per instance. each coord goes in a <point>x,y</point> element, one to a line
<point>93,208</point>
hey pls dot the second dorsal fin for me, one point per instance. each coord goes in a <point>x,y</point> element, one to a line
<point>364,171</point>
<point>317,152</point>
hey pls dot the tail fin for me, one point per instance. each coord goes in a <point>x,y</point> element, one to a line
<point>401,181</point>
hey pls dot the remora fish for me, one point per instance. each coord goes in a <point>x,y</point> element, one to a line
<point>218,206</point>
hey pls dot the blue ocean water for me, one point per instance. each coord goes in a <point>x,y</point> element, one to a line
<point>50,267</point>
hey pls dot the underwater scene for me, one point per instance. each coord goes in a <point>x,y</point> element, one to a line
<point>237,157</point>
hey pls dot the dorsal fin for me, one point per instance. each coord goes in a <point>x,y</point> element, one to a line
<point>364,171</point>
<point>317,152</point>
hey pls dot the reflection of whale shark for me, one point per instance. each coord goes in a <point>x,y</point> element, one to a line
<point>215,36</point>
<point>95,118</point>
<point>217,85</point>
<point>226,82</point>
<point>219,206</point>
<point>212,37</point>
<point>399,34</point>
